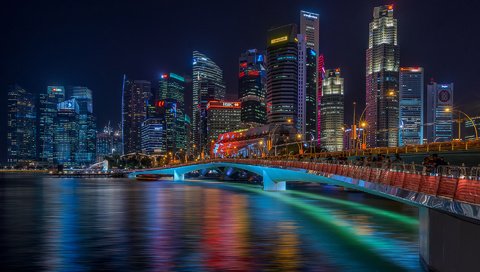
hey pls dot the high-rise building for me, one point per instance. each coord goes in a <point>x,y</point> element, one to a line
<point>411,106</point>
<point>66,132</point>
<point>310,28</point>
<point>21,126</point>
<point>282,74</point>
<point>470,128</point>
<point>383,63</point>
<point>153,136</point>
<point>171,93</point>
<point>135,97</point>
<point>87,128</point>
<point>109,142</point>
<point>321,75</point>
<point>439,112</point>
<point>311,90</point>
<point>251,88</point>
<point>302,79</point>
<point>208,85</point>
<point>47,112</point>
<point>222,117</point>
<point>332,111</point>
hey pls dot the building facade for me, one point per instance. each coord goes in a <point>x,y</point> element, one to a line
<point>47,112</point>
<point>251,88</point>
<point>222,117</point>
<point>332,111</point>
<point>21,126</point>
<point>87,129</point>
<point>153,134</point>
<point>109,142</point>
<point>311,89</point>
<point>171,93</point>
<point>439,112</point>
<point>310,28</point>
<point>66,133</point>
<point>382,79</point>
<point>208,84</point>
<point>411,106</point>
<point>282,74</point>
<point>135,97</point>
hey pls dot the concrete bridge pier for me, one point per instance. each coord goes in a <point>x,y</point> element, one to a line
<point>448,242</point>
<point>177,176</point>
<point>270,185</point>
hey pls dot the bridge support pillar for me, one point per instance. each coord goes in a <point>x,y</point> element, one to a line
<point>448,242</point>
<point>270,185</point>
<point>177,176</point>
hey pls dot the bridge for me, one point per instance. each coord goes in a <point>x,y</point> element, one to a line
<point>449,202</point>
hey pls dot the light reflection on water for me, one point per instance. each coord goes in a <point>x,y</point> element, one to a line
<point>121,225</point>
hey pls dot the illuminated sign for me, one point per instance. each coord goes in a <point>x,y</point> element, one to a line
<point>161,103</point>
<point>241,74</point>
<point>165,76</point>
<point>177,77</point>
<point>444,96</point>
<point>310,15</point>
<point>277,40</point>
<point>223,104</point>
<point>260,58</point>
<point>253,73</point>
<point>243,64</point>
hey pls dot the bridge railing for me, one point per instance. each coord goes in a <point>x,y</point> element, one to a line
<point>453,182</point>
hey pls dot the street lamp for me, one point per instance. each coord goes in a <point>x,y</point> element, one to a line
<point>449,109</point>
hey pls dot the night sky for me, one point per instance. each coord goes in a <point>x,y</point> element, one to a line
<point>93,43</point>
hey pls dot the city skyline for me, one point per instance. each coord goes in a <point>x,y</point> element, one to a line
<point>352,87</point>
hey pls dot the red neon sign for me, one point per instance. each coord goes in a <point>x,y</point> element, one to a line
<point>161,104</point>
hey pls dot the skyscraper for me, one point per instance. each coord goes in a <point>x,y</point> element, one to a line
<point>109,142</point>
<point>47,112</point>
<point>311,90</point>
<point>135,97</point>
<point>66,132</point>
<point>251,88</point>
<point>222,117</point>
<point>411,106</point>
<point>439,112</point>
<point>21,126</point>
<point>172,92</point>
<point>321,75</point>
<point>383,63</point>
<point>282,74</point>
<point>332,111</point>
<point>208,85</point>
<point>87,128</point>
<point>310,28</point>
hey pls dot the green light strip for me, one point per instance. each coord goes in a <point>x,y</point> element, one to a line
<point>412,222</point>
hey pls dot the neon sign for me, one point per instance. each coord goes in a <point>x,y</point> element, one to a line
<point>161,103</point>
<point>277,40</point>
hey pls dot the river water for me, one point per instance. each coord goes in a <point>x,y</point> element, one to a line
<point>50,224</point>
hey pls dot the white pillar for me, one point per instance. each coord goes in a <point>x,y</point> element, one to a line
<point>177,176</point>
<point>270,185</point>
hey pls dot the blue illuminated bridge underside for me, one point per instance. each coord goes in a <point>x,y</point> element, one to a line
<point>275,178</point>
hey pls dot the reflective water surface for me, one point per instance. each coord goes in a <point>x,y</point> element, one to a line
<point>122,225</point>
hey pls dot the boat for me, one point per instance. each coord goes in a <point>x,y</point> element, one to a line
<point>149,177</point>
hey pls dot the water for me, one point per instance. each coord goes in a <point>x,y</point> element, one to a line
<point>122,225</point>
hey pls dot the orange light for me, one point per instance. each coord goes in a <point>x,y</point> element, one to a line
<point>390,7</point>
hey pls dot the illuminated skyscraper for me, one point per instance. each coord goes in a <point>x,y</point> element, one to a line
<point>411,106</point>
<point>21,126</point>
<point>208,85</point>
<point>66,132</point>
<point>47,111</point>
<point>439,112</point>
<point>251,88</point>
<point>109,142</point>
<point>383,63</point>
<point>222,117</point>
<point>87,128</point>
<point>332,111</point>
<point>171,93</point>
<point>135,97</point>
<point>282,74</point>
<point>307,90</point>
<point>310,28</point>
